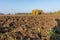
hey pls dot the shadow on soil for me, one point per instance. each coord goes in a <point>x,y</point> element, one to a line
<point>56,30</point>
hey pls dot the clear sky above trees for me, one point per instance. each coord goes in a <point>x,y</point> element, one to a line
<point>12,6</point>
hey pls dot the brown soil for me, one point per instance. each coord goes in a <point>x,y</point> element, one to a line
<point>23,27</point>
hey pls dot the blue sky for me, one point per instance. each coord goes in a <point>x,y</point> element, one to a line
<point>12,6</point>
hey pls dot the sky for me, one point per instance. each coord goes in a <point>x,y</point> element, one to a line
<point>15,6</point>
